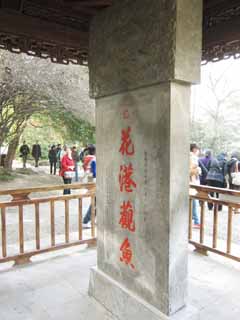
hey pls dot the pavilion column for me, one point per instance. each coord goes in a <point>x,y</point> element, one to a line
<point>144,55</point>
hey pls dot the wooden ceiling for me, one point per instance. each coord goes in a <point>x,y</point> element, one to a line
<point>59,29</point>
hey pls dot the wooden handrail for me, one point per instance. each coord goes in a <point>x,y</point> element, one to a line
<point>21,199</point>
<point>207,189</point>
<point>73,186</point>
<point>44,200</point>
<point>232,203</point>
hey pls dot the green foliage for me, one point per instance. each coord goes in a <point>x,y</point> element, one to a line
<point>73,129</point>
<point>6,175</point>
<point>55,126</point>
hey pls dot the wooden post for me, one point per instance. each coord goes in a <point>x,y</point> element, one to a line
<point>37,226</point>
<point>21,230</point>
<point>190,220</point>
<point>4,236</point>
<point>202,227</point>
<point>215,225</point>
<point>67,221</point>
<point>93,216</point>
<point>229,231</point>
<point>80,219</point>
<point>52,223</point>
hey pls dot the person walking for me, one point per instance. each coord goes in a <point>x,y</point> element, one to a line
<point>204,164</point>
<point>89,158</point>
<point>233,171</point>
<point>52,156</point>
<point>216,176</point>
<point>58,152</point>
<point>67,169</point>
<point>76,159</point>
<point>24,152</point>
<point>36,153</point>
<point>194,173</point>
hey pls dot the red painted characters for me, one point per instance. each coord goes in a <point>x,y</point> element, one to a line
<point>127,254</point>
<point>127,216</point>
<point>126,182</point>
<point>127,146</point>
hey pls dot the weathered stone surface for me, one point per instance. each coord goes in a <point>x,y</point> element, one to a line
<point>137,43</point>
<point>159,119</point>
<point>143,56</point>
<point>126,305</point>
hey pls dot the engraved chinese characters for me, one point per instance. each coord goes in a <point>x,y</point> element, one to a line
<point>127,185</point>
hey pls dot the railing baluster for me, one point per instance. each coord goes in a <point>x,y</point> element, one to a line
<point>215,225</point>
<point>37,226</point>
<point>21,199</point>
<point>80,219</point>
<point>4,235</point>
<point>202,221</point>
<point>93,216</point>
<point>66,221</point>
<point>229,231</point>
<point>52,223</point>
<point>190,220</point>
<point>21,230</point>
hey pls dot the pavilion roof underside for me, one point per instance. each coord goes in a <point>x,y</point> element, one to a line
<point>59,29</point>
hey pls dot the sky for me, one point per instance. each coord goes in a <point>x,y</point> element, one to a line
<point>203,97</point>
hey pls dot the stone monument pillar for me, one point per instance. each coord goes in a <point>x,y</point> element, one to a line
<point>144,55</point>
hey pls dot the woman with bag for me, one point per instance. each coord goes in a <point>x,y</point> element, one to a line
<point>67,169</point>
<point>233,171</point>
<point>216,176</point>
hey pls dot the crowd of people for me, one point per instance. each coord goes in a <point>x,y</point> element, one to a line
<point>69,161</point>
<point>215,171</point>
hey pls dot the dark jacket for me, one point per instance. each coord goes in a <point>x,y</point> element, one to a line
<point>24,150</point>
<point>231,167</point>
<point>36,151</point>
<point>216,170</point>
<point>204,164</point>
<point>52,155</point>
<point>75,156</point>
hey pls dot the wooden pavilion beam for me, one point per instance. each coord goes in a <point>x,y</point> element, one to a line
<point>94,3</point>
<point>224,32</point>
<point>11,4</point>
<point>17,24</point>
<point>216,5</point>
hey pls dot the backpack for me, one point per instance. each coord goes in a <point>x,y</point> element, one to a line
<point>236,175</point>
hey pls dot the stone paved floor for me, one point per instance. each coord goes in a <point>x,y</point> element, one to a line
<point>54,287</point>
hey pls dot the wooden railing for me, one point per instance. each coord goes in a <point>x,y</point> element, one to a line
<point>230,200</point>
<point>36,197</point>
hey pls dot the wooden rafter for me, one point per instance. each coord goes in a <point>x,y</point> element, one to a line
<point>17,24</point>
<point>94,3</point>
<point>64,26</point>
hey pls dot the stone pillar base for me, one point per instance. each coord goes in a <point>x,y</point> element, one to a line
<point>126,305</point>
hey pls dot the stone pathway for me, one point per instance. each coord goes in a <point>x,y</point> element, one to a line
<point>40,178</point>
<point>55,285</point>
